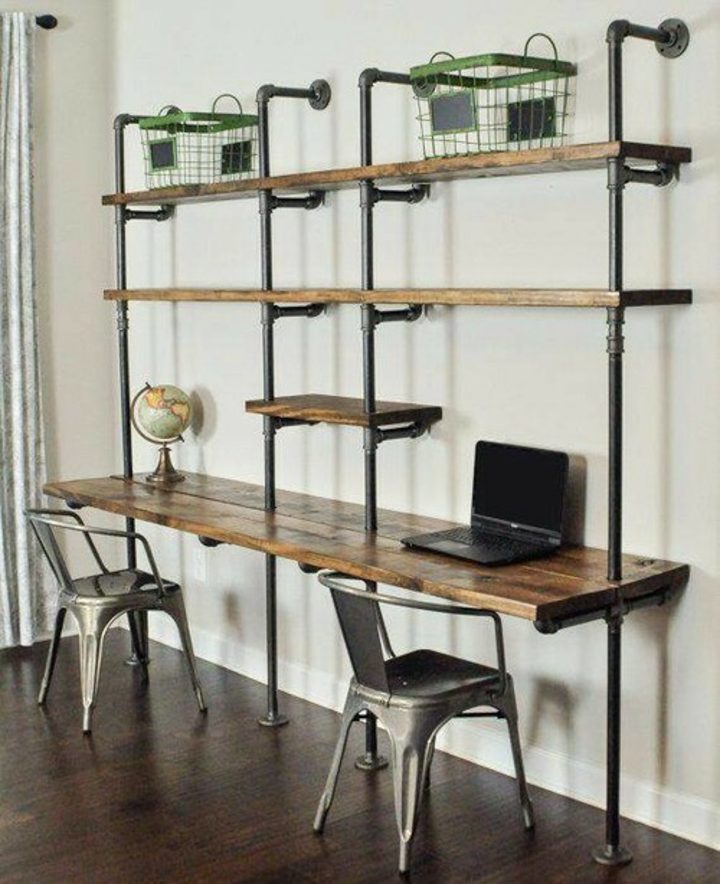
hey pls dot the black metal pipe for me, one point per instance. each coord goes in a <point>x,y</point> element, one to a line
<point>615,347</point>
<point>311,201</point>
<point>121,122</point>
<point>612,815</point>
<point>318,95</point>
<point>414,194</point>
<point>659,177</point>
<point>406,431</point>
<point>306,310</point>
<point>46,22</point>
<point>164,213</point>
<point>615,101</point>
<point>403,314</point>
<point>651,600</point>
<point>612,852</point>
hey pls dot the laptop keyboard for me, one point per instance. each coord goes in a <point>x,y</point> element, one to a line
<point>491,542</point>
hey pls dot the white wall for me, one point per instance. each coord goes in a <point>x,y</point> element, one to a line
<point>73,164</point>
<point>535,377</point>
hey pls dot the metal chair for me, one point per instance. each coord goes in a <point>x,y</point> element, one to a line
<point>97,601</point>
<point>413,696</point>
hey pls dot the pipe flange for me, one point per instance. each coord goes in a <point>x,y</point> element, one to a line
<point>679,38</point>
<point>321,94</point>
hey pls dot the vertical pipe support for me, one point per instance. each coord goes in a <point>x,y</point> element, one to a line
<point>138,621</point>
<point>369,760</point>
<point>272,717</point>
<point>612,852</point>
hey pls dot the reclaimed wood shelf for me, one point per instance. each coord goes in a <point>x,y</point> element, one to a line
<point>321,408</point>
<point>326,533</point>
<point>521,162</point>
<point>487,297</point>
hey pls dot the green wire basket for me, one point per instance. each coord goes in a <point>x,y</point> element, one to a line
<point>182,147</point>
<point>492,102</point>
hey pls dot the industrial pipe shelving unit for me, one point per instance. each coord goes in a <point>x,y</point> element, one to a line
<point>382,421</point>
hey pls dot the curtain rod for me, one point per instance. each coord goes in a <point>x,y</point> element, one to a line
<point>46,22</point>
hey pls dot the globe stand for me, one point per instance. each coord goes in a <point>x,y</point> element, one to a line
<point>165,473</point>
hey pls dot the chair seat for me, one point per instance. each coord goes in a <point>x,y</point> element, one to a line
<point>431,675</point>
<point>119,583</point>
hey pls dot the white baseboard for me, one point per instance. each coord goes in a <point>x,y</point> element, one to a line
<point>686,816</point>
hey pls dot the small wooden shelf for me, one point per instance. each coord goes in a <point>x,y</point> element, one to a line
<point>321,408</point>
<point>521,162</point>
<point>488,297</point>
<point>326,533</point>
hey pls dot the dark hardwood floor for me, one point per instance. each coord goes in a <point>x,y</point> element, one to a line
<point>160,793</point>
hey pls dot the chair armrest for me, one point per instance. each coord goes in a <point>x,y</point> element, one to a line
<point>90,530</point>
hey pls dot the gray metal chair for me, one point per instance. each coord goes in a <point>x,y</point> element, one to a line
<point>413,696</point>
<point>97,601</point>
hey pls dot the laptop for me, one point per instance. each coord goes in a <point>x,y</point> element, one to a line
<point>517,507</point>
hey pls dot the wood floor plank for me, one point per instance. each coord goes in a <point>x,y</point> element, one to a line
<point>160,793</point>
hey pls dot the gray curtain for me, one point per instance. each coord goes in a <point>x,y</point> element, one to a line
<point>24,589</point>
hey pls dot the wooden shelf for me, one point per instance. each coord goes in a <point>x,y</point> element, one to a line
<point>320,408</point>
<point>521,162</point>
<point>494,297</point>
<point>326,533</point>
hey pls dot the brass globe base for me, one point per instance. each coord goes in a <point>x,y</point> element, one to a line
<point>165,473</point>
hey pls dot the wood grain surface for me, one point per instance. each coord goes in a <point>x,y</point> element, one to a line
<point>516,162</point>
<point>329,534</point>
<point>321,408</point>
<point>486,297</point>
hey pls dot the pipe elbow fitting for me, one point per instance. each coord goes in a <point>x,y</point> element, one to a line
<point>618,30</point>
<point>368,77</point>
<point>265,93</point>
<point>123,120</point>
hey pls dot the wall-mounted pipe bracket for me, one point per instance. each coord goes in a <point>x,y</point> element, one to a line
<point>313,200</point>
<point>281,422</point>
<point>407,431</point>
<point>318,94</point>
<point>411,195</point>
<point>281,311</point>
<point>164,213</point>
<point>404,314</point>
<point>611,614</point>
<point>671,37</point>
<point>662,175</point>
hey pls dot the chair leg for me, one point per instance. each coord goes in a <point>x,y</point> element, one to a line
<point>412,736</point>
<point>139,654</point>
<point>52,656</point>
<point>431,755</point>
<point>92,626</point>
<point>175,607</point>
<point>509,708</point>
<point>352,707</point>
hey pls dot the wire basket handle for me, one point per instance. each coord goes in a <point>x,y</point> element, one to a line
<point>233,97</point>
<point>547,37</point>
<point>169,109</point>
<point>441,52</point>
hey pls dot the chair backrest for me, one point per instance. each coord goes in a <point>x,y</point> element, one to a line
<point>359,622</point>
<point>43,530</point>
<point>366,638</point>
<point>44,523</point>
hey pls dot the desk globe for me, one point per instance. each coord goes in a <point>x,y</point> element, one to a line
<point>161,414</point>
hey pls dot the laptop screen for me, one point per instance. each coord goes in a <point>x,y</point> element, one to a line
<point>524,486</point>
